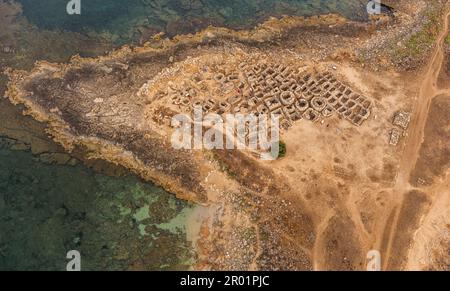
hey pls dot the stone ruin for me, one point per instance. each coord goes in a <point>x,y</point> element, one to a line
<point>267,88</point>
<point>396,134</point>
<point>401,120</point>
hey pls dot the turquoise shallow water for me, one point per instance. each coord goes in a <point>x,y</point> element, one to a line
<point>115,223</point>
<point>124,19</point>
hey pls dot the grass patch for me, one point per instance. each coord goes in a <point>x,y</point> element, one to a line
<point>424,39</point>
<point>421,41</point>
<point>447,40</point>
<point>223,167</point>
<point>281,149</point>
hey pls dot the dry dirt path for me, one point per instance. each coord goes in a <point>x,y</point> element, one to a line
<point>428,90</point>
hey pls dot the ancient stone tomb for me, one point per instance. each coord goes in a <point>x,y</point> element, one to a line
<point>261,87</point>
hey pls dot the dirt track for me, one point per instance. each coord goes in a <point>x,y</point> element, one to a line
<point>428,90</point>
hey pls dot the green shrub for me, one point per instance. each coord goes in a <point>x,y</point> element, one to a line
<point>281,149</point>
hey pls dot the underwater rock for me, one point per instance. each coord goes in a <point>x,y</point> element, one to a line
<point>179,26</point>
<point>191,5</point>
<point>19,146</point>
<point>55,158</point>
<point>72,162</point>
<point>2,204</point>
<point>39,146</point>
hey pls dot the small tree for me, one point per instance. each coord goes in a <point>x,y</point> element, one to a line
<point>281,149</point>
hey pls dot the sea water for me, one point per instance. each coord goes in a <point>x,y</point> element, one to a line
<point>124,19</point>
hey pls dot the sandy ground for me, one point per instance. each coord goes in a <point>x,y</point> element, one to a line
<point>428,92</point>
